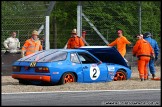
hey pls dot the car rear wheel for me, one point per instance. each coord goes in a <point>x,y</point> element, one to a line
<point>120,75</point>
<point>67,78</point>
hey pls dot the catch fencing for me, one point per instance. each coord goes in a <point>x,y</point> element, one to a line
<point>106,16</point>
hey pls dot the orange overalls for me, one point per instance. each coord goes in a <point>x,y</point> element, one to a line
<point>75,42</point>
<point>143,50</point>
<point>31,46</point>
<point>121,44</point>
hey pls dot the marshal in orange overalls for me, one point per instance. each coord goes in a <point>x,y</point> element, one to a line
<point>143,50</point>
<point>31,45</point>
<point>120,42</point>
<point>74,41</point>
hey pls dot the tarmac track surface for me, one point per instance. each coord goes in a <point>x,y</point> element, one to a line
<point>88,98</point>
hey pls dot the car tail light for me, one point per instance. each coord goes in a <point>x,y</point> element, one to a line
<point>42,69</point>
<point>15,68</point>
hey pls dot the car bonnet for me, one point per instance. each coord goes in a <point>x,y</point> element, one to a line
<point>106,54</point>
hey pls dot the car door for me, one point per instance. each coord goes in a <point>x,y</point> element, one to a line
<point>93,70</point>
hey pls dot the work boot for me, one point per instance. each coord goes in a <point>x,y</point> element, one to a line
<point>142,79</point>
<point>146,78</point>
<point>153,75</point>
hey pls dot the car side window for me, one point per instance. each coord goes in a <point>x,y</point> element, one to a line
<point>86,58</point>
<point>74,58</point>
<point>81,58</point>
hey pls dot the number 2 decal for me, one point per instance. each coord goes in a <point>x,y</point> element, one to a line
<point>94,72</point>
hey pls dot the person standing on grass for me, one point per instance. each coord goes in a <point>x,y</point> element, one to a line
<point>74,41</point>
<point>143,51</point>
<point>147,36</point>
<point>120,42</point>
<point>12,44</point>
<point>32,45</point>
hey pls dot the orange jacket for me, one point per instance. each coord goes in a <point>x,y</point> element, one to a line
<point>31,46</point>
<point>75,42</point>
<point>121,44</point>
<point>142,47</point>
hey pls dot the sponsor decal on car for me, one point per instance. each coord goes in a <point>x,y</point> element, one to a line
<point>111,68</point>
<point>59,63</point>
<point>33,64</point>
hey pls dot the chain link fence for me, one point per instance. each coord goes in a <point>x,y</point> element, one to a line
<point>22,17</point>
<point>132,17</point>
<point>100,14</point>
<point>109,16</point>
<point>106,16</point>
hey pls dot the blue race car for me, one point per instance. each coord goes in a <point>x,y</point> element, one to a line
<point>86,65</point>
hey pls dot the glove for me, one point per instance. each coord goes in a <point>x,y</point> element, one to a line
<point>6,48</point>
<point>152,57</point>
<point>22,54</point>
<point>156,58</point>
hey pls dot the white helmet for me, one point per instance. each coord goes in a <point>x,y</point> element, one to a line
<point>74,31</point>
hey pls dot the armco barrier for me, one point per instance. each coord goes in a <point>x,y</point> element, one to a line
<point>6,62</point>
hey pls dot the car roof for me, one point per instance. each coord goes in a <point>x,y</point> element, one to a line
<point>45,55</point>
<point>96,47</point>
<point>71,50</point>
<point>66,50</point>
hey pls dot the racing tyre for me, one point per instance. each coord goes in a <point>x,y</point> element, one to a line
<point>120,75</point>
<point>67,78</point>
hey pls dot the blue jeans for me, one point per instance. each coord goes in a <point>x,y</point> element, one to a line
<point>151,66</point>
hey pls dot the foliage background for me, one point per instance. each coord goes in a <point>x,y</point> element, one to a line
<point>107,17</point>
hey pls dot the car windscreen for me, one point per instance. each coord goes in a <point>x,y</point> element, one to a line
<point>46,56</point>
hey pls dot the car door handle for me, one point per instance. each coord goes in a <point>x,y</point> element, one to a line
<point>85,67</point>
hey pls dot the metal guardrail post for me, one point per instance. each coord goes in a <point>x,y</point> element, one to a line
<point>91,24</point>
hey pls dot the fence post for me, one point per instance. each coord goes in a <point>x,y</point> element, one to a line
<point>47,42</point>
<point>79,19</point>
<point>139,17</point>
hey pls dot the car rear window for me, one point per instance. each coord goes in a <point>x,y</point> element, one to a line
<point>57,56</point>
<point>47,56</point>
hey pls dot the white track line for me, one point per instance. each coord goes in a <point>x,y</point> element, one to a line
<point>80,91</point>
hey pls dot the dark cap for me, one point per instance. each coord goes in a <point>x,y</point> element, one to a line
<point>147,34</point>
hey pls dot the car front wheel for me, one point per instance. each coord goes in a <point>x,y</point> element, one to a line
<point>120,75</point>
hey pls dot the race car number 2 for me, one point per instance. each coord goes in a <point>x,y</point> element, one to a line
<point>94,72</point>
